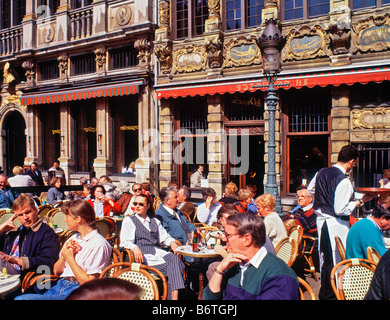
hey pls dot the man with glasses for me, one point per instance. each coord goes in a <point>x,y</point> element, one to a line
<point>249,272</point>
<point>333,205</point>
<point>137,190</point>
<point>304,216</point>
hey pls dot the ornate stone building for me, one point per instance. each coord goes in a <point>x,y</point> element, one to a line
<point>84,87</point>
<point>333,90</point>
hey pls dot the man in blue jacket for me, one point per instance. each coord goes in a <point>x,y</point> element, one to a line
<point>176,224</point>
<point>7,195</point>
<point>31,245</point>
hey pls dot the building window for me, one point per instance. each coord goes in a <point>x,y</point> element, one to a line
<point>304,9</point>
<point>190,17</point>
<point>51,137</point>
<point>361,4</point>
<point>307,123</point>
<point>244,107</point>
<point>83,64</point>
<point>12,13</point>
<point>123,58</point>
<point>48,70</point>
<point>243,13</point>
<point>81,3</point>
<point>47,8</point>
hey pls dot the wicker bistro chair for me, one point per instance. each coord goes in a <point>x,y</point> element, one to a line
<point>6,214</point>
<point>141,275</point>
<point>353,278</point>
<point>305,288</point>
<point>373,255</point>
<point>296,233</point>
<point>57,218</point>
<point>287,250</point>
<point>107,227</point>
<point>43,211</point>
<point>308,245</point>
<point>340,247</point>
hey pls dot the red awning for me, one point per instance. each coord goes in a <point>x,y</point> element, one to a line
<point>325,78</point>
<point>106,90</point>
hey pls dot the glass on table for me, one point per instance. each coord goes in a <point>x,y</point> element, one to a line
<point>190,237</point>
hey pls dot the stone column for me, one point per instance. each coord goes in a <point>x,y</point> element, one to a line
<point>34,133</point>
<point>100,12</point>
<point>217,148</point>
<point>68,140</point>
<point>63,22</point>
<point>166,131</point>
<point>340,120</point>
<point>146,140</point>
<point>29,26</point>
<point>103,162</point>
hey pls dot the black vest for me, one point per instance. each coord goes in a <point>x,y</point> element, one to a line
<point>326,183</point>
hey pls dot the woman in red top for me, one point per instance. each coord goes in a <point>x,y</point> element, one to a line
<point>102,204</point>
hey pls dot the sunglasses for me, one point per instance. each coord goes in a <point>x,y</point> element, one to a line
<point>137,189</point>
<point>139,204</point>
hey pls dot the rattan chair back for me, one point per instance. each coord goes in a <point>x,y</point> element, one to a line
<point>296,233</point>
<point>373,255</point>
<point>351,278</point>
<point>140,275</point>
<point>6,214</point>
<point>340,247</point>
<point>305,288</point>
<point>43,210</point>
<point>287,250</point>
<point>57,218</point>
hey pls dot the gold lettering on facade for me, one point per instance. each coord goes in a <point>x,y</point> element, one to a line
<point>129,128</point>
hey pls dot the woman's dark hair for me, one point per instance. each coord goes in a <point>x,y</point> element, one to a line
<point>149,202</point>
<point>80,208</point>
<point>206,192</point>
<point>94,188</point>
<point>106,289</point>
<point>228,208</point>
<point>55,179</point>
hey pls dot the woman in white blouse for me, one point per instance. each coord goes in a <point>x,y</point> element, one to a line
<point>145,236</point>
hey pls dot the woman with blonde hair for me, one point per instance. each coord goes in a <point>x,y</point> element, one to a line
<point>273,223</point>
<point>230,195</point>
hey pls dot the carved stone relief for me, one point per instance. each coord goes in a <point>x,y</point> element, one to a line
<point>143,46</point>
<point>242,51</point>
<point>372,34</point>
<point>306,43</point>
<point>371,118</point>
<point>191,58</point>
<point>163,52</point>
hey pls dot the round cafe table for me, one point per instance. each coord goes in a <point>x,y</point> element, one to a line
<point>204,253</point>
<point>8,284</point>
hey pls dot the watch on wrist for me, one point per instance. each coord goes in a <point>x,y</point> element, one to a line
<point>361,202</point>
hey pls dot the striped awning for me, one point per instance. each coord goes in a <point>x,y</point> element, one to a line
<point>105,90</point>
<point>285,81</point>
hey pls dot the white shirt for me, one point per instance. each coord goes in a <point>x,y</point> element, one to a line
<point>129,211</point>
<point>208,216</point>
<point>98,207</point>
<point>94,256</point>
<point>255,261</point>
<point>127,238</point>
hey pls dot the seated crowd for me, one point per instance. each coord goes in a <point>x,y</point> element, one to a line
<point>155,225</point>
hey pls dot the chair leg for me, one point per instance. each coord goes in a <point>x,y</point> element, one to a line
<point>312,268</point>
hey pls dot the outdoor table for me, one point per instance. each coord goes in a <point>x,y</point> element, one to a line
<point>217,235</point>
<point>8,284</point>
<point>118,221</point>
<point>186,250</point>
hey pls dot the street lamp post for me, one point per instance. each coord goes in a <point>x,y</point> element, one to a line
<point>271,43</point>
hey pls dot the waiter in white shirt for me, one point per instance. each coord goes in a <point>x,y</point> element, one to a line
<point>333,204</point>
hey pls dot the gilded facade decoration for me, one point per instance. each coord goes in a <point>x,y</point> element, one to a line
<point>100,58</point>
<point>63,66</point>
<point>214,46</point>
<point>214,8</point>
<point>163,52</point>
<point>191,58</point>
<point>163,13</point>
<point>29,66</point>
<point>143,47</point>
<point>340,40</point>
<point>371,118</point>
<point>242,51</point>
<point>306,43</point>
<point>372,34</point>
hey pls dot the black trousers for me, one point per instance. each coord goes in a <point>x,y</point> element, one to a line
<point>326,291</point>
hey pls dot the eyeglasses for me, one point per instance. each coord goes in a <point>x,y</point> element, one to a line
<point>139,189</point>
<point>139,204</point>
<point>228,236</point>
